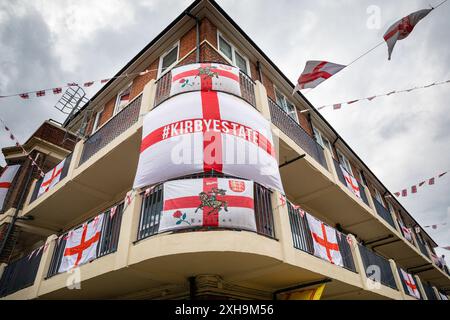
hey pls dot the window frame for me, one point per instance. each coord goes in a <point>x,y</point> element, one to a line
<point>162,56</point>
<point>117,104</point>
<point>286,100</point>
<point>346,162</point>
<point>321,139</point>
<point>98,114</point>
<point>379,197</point>
<point>233,53</point>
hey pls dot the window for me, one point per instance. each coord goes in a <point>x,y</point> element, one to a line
<point>288,107</point>
<point>321,139</point>
<point>345,163</point>
<point>98,116</point>
<point>362,177</point>
<point>230,52</point>
<point>168,60</point>
<point>379,197</point>
<point>122,99</point>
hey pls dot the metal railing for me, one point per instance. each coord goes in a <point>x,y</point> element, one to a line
<point>302,238</point>
<point>152,206</point>
<point>422,246</point>
<point>64,172</point>
<point>383,212</point>
<point>20,274</point>
<point>108,242</point>
<point>372,261</point>
<point>117,125</point>
<point>362,190</point>
<point>431,295</point>
<point>163,86</point>
<point>293,130</point>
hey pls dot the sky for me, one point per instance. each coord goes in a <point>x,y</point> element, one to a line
<point>403,138</point>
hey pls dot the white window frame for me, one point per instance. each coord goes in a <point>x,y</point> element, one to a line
<point>379,197</point>
<point>233,53</point>
<point>96,126</point>
<point>344,162</point>
<point>321,139</point>
<point>161,57</point>
<point>117,104</point>
<point>286,99</point>
<point>361,178</point>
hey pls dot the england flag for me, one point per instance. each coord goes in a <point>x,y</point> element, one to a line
<point>6,178</point>
<point>51,178</point>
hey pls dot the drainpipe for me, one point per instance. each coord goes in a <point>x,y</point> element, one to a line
<point>197,27</point>
<point>258,67</point>
<point>19,204</point>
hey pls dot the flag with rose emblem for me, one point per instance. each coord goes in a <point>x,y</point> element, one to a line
<point>208,202</point>
<point>196,77</point>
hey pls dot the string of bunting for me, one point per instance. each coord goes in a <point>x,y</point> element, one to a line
<point>435,226</point>
<point>338,106</point>
<point>415,188</point>
<point>17,143</point>
<point>58,89</point>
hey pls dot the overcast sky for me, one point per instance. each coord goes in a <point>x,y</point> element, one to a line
<point>403,138</point>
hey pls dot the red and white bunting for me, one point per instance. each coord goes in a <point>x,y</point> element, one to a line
<point>112,212</point>
<point>410,283</point>
<point>316,72</point>
<point>414,188</point>
<point>435,226</point>
<point>208,202</point>
<point>6,178</point>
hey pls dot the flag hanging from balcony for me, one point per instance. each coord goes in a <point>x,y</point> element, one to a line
<point>6,178</point>
<point>205,76</point>
<point>217,132</point>
<point>325,241</point>
<point>402,28</point>
<point>81,244</point>
<point>208,202</point>
<point>351,182</point>
<point>316,72</point>
<point>51,178</point>
<point>306,294</point>
<point>410,284</point>
<point>406,231</point>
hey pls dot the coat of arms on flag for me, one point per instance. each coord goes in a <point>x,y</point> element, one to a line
<point>207,131</point>
<point>208,202</point>
<point>325,241</point>
<point>205,76</point>
<point>351,182</point>
<point>6,178</point>
<point>51,178</point>
<point>410,284</point>
<point>81,244</point>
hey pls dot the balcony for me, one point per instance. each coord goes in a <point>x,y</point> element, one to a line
<point>384,274</point>
<point>383,212</point>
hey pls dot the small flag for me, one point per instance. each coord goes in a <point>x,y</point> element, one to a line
<point>24,95</point>
<point>371,98</point>
<point>57,90</point>
<point>422,183</point>
<point>430,85</point>
<point>112,212</point>
<point>72,84</point>
<point>414,189</point>
<point>431,181</point>
<point>353,101</point>
<point>397,194</point>
<point>404,193</point>
<point>40,93</point>
<point>442,174</point>
<point>104,81</point>
<point>316,72</point>
<point>88,84</point>
<point>392,92</point>
<point>282,200</point>
<point>337,106</point>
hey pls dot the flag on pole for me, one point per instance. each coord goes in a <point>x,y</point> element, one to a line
<point>316,72</point>
<point>402,28</point>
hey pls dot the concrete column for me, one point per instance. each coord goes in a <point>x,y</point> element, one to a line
<point>330,164</point>
<point>148,97</point>
<point>398,280</point>
<point>76,156</point>
<point>46,259</point>
<point>420,287</point>
<point>359,264</point>
<point>397,226</point>
<point>436,292</point>
<point>282,226</point>
<point>262,104</point>
<point>128,230</point>
<point>371,203</point>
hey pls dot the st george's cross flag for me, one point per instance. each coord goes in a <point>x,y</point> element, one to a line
<point>51,178</point>
<point>325,241</point>
<point>316,72</point>
<point>406,231</point>
<point>208,202</point>
<point>81,244</point>
<point>410,284</point>
<point>6,178</point>
<point>207,131</point>
<point>352,183</point>
<point>205,76</point>
<point>402,28</point>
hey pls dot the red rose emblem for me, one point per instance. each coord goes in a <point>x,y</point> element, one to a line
<point>177,214</point>
<point>182,80</point>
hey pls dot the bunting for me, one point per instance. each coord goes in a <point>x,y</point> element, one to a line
<point>414,189</point>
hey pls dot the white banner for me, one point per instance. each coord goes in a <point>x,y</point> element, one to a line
<point>6,178</point>
<point>205,76</point>
<point>205,131</point>
<point>208,202</point>
<point>81,244</point>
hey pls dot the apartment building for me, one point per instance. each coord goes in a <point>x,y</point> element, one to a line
<point>385,253</point>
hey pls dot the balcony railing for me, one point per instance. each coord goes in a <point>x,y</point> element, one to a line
<point>422,247</point>
<point>431,295</point>
<point>108,242</point>
<point>20,274</point>
<point>302,238</point>
<point>372,261</point>
<point>112,129</point>
<point>64,172</point>
<point>383,212</point>
<point>342,180</point>
<point>293,130</point>
<point>164,83</point>
<point>152,206</point>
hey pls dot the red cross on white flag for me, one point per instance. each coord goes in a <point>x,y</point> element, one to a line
<point>6,178</point>
<point>206,131</point>
<point>208,202</point>
<point>325,241</point>
<point>316,72</point>
<point>351,182</point>
<point>410,284</point>
<point>402,28</point>
<point>81,245</point>
<point>51,178</point>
